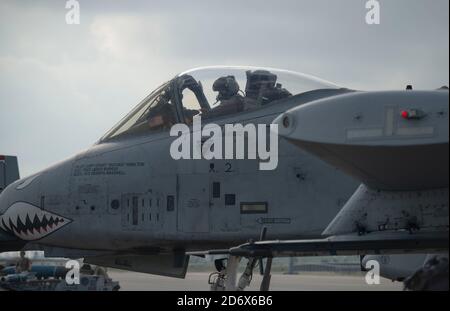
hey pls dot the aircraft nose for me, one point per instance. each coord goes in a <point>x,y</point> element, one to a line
<point>23,190</point>
<point>23,213</point>
<point>6,196</point>
<point>9,241</point>
<point>25,208</point>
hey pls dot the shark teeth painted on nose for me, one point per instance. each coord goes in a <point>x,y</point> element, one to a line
<point>29,222</point>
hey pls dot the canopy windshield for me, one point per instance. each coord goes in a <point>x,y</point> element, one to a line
<point>252,79</point>
<point>213,92</point>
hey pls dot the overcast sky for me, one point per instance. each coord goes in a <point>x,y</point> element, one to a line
<point>63,86</point>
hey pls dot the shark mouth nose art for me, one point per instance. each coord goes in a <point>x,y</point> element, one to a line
<point>29,223</point>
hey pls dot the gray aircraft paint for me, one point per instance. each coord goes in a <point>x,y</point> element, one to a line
<point>401,161</point>
<point>129,195</point>
<point>405,177</point>
<point>370,140</point>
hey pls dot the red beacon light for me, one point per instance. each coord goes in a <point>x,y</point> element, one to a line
<point>412,114</point>
<point>405,114</point>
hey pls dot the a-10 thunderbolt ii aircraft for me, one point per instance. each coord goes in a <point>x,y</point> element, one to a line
<point>134,201</point>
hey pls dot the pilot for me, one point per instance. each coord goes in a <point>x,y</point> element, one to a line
<point>162,116</point>
<point>230,99</point>
<point>24,264</point>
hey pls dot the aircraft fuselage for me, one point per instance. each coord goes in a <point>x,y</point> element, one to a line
<point>130,194</point>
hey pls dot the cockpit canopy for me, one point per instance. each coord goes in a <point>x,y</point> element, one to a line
<point>213,92</point>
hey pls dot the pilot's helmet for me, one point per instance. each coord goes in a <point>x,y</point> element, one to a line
<point>226,86</point>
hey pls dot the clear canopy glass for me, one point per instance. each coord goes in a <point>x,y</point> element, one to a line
<point>255,79</point>
<point>213,92</point>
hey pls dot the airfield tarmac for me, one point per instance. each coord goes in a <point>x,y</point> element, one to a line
<point>197,281</point>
